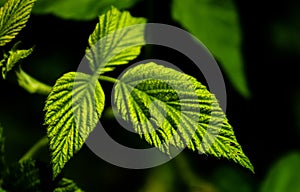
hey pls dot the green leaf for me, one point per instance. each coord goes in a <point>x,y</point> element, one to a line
<point>30,84</point>
<point>162,178</point>
<point>24,176</point>
<point>78,9</point>
<point>113,42</point>
<point>72,110</point>
<point>13,17</point>
<point>11,62</point>
<point>216,24</point>
<point>77,99</point>
<point>67,185</point>
<point>12,58</point>
<point>283,175</point>
<point>225,179</point>
<point>167,107</point>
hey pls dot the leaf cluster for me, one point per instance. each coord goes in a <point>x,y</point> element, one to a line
<point>30,175</point>
<point>167,108</point>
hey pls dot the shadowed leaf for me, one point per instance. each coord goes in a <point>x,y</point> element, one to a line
<point>215,23</point>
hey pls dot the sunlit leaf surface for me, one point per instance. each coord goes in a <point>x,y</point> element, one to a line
<point>167,107</point>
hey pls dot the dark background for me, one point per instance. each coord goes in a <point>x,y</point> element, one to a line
<point>266,125</point>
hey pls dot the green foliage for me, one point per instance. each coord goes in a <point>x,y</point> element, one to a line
<point>29,176</point>
<point>160,179</point>
<point>73,108</point>
<point>30,84</point>
<point>11,62</point>
<point>12,58</point>
<point>23,176</point>
<point>225,178</point>
<point>283,175</point>
<point>72,111</point>
<point>193,118</point>
<point>13,17</point>
<point>167,107</point>
<point>67,185</point>
<point>215,23</point>
<point>113,42</point>
<point>78,9</point>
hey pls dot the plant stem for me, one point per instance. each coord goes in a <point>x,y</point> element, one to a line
<point>35,149</point>
<point>30,84</point>
<point>108,79</point>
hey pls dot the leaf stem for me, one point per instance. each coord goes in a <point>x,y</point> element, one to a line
<point>108,79</point>
<point>35,149</point>
<point>31,84</point>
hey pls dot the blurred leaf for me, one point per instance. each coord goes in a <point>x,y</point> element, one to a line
<point>113,42</point>
<point>79,9</point>
<point>24,176</point>
<point>169,108</point>
<point>286,30</point>
<point>160,179</point>
<point>13,17</point>
<point>67,185</point>
<point>284,175</point>
<point>215,23</point>
<point>226,179</point>
<point>30,84</point>
<point>109,113</point>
